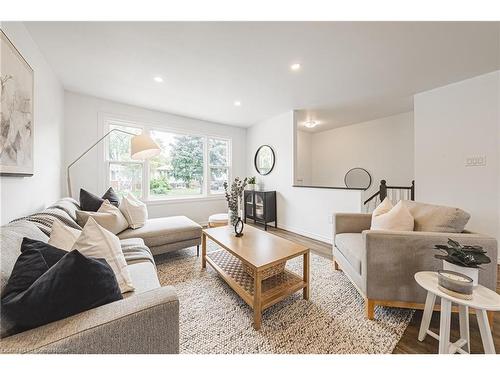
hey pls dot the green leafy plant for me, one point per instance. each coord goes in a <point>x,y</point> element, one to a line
<point>471,256</point>
<point>251,180</point>
<point>159,185</point>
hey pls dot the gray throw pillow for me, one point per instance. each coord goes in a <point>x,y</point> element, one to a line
<point>434,218</point>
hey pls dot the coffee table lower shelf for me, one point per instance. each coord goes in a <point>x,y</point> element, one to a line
<point>273,289</point>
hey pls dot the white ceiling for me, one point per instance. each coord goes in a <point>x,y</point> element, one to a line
<point>351,71</point>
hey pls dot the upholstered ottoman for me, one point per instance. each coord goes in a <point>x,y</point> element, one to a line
<point>218,220</point>
<point>166,234</point>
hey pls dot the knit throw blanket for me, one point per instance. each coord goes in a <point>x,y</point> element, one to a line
<point>63,210</point>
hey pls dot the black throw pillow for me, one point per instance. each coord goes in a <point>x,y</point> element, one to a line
<point>112,197</point>
<point>73,284</point>
<point>89,201</point>
<point>37,257</point>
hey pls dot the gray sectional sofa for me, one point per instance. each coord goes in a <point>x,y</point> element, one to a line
<point>166,234</point>
<point>144,321</point>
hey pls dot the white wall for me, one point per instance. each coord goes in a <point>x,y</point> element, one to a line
<point>24,195</point>
<point>452,123</point>
<point>303,168</point>
<point>306,211</point>
<point>82,129</point>
<point>384,147</point>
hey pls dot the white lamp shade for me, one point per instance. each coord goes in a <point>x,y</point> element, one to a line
<point>143,147</point>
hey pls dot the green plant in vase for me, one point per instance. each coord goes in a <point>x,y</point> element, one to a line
<point>251,183</point>
<point>464,259</point>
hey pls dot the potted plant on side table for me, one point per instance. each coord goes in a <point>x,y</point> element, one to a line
<point>251,183</point>
<point>464,259</point>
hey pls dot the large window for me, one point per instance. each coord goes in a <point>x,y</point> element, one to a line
<point>124,174</point>
<point>189,165</point>
<point>218,155</point>
<point>178,170</point>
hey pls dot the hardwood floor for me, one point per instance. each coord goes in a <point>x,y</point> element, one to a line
<point>409,343</point>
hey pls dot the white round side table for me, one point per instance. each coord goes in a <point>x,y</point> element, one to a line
<point>483,300</point>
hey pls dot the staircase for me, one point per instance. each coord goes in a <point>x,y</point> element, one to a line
<point>394,193</point>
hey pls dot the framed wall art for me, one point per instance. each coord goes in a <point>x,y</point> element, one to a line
<point>16,110</point>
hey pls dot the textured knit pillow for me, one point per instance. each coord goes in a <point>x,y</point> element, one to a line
<point>62,236</point>
<point>386,217</point>
<point>97,242</point>
<point>134,211</point>
<point>107,216</point>
<point>49,284</point>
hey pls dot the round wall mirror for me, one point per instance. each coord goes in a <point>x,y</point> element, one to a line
<point>358,178</point>
<point>264,160</point>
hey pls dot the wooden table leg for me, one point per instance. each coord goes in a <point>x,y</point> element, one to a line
<point>305,275</point>
<point>203,250</point>
<point>463,312</point>
<point>484,328</point>
<point>257,302</point>
<point>427,316</point>
<point>444,327</point>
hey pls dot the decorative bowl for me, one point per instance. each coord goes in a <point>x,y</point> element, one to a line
<point>455,282</point>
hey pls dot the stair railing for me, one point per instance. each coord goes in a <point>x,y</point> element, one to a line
<point>395,193</point>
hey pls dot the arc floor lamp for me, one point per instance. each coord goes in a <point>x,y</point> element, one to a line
<point>142,147</point>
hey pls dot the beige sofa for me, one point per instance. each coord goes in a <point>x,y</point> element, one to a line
<point>382,264</point>
<point>145,321</point>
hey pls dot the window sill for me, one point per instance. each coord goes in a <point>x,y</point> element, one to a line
<point>159,202</point>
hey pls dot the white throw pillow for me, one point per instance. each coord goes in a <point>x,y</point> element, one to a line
<point>387,217</point>
<point>384,207</point>
<point>97,242</point>
<point>134,211</point>
<point>62,236</point>
<point>107,216</point>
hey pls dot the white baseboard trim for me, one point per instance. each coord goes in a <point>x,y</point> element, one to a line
<point>306,233</point>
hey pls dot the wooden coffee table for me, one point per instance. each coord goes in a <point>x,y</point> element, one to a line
<point>258,250</point>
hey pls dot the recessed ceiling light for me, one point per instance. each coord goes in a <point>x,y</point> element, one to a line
<point>295,66</point>
<point>237,103</point>
<point>158,79</point>
<point>310,124</point>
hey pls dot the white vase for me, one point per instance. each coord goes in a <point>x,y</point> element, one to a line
<point>473,273</point>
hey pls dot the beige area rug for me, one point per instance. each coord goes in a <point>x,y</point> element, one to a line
<point>214,319</point>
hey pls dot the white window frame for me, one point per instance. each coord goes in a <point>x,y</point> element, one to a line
<point>109,120</point>
<point>209,166</point>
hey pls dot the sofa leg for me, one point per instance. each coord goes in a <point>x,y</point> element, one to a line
<point>198,250</point>
<point>336,266</point>
<point>369,309</point>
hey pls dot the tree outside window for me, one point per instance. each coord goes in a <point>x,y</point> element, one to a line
<point>178,170</point>
<point>218,154</point>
